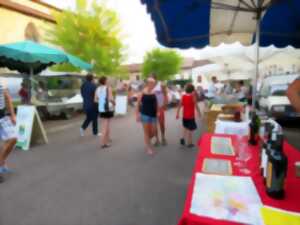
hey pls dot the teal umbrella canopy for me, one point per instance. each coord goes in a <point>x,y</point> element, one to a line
<point>30,57</point>
<point>75,61</point>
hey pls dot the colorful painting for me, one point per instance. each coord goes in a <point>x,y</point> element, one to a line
<point>217,166</point>
<point>229,198</point>
<point>222,146</point>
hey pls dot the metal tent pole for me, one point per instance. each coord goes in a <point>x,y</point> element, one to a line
<point>31,73</point>
<point>255,80</point>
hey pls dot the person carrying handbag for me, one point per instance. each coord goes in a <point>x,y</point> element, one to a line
<point>106,103</point>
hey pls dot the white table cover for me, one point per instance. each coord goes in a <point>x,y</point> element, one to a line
<point>230,127</point>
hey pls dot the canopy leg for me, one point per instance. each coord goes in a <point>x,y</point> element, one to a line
<point>257,45</point>
<point>254,119</point>
<point>255,80</point>
<point>29,85</point>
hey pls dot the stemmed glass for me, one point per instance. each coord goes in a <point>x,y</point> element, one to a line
<point>243,155</point>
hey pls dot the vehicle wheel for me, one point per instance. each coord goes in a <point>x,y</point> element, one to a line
<point>43,113</point>
<point>66,115</point>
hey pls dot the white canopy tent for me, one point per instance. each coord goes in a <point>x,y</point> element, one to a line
<point>241,60</point>
<point>245,58</point>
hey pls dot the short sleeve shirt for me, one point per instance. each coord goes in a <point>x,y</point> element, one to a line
<point>211,91</point>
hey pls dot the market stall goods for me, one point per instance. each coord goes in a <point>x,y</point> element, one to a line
<point>192,215</point>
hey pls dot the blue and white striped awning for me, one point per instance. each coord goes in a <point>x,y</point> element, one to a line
<point>197,23</point>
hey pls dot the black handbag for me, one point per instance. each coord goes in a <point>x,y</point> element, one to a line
<point>106,104</point>
<point>2,113</point>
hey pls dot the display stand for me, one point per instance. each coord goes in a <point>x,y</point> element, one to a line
<point>29,127</point>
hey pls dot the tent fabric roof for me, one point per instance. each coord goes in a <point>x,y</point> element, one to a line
<point>27,55</point>
<point>196,23</point>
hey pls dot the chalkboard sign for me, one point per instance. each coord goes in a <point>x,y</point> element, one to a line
<point>29,127</point>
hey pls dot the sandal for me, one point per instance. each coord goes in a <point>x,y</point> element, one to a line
<point>149,151</point>
<point>164,142</point>
<point>182,142</point>
<point>157,144</point>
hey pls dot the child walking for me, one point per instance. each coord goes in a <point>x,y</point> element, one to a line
<point>189,104</point>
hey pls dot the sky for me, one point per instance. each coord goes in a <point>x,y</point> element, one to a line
<point>137,26</point>
<point>139,32</point>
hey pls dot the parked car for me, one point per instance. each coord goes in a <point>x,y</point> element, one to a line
<point>273,99</point>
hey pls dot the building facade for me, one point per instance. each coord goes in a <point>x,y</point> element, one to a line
<point>25,20</point>
<point>188,69</point>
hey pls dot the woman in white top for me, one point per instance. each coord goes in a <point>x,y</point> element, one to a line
<point>106,103</point>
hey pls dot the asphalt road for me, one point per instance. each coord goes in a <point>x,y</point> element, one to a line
<point>71,181</point>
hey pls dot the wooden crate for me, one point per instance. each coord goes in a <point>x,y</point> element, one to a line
<point>211,117</point>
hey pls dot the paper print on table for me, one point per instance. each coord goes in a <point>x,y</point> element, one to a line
<point>222,146</point>
<point>229,198</point>
<point>217,166</point>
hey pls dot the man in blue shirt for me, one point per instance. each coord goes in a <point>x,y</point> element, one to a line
<point>88,89</point>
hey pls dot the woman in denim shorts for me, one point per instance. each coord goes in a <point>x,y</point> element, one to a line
<point>146,112</point>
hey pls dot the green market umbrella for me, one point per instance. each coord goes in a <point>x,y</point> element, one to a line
<point>32,58</point>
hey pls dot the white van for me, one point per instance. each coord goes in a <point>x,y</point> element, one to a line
<point>273,99</point>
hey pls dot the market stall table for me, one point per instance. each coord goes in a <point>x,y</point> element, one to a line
<point>292,198</point>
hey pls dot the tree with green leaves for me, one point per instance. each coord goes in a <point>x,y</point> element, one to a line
<point>91,33</point>
<point>164,63</point>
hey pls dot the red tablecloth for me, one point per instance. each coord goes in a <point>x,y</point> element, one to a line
<point>292,198</point>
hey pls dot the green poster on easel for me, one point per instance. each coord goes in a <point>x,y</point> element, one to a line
<point>29,127</point>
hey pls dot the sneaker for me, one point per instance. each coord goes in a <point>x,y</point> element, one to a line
<point>5,169</point>
<point>182,141</point>
<point>81,131</point>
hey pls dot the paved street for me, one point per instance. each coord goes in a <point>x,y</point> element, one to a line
<point>72,181</point>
